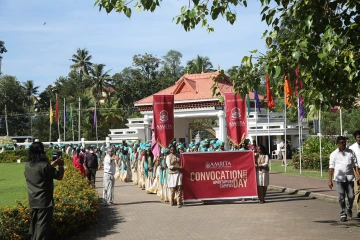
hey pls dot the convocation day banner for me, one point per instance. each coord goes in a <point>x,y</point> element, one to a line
<point>236,119</point>
<point>163,118</point>
<point>219,175</point>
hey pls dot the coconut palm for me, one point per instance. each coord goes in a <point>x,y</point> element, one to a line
<point>112,115</point>
<point>199,64</point>
<point>81,61</point>
<point>30,92</point>
<point>100,80</point>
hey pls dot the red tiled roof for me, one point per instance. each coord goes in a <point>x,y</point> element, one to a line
<point>192,87</point>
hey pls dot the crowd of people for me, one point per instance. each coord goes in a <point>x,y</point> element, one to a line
<point>154,172</point>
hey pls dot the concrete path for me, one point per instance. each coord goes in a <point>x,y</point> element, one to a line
<point>138,215</point>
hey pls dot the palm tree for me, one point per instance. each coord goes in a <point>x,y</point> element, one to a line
<point>81,61</point>
<point>30,92</point>
<point>199,64</point>
<point>112,116</point>
<point>100,80</point>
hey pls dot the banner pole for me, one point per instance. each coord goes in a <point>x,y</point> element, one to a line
<point>79,134</point>
<point>299,126</point>
<point>58,120</point>
<point>321,170</point>
<point>285,130</point>
<point>50,123</point>
<point>268,117</point>
<point>341,128</point>
<point>64,119</point>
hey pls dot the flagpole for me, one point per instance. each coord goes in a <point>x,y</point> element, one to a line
<point>6,122</point>
<point>72,125</point>
<point>79,134</point>
<point>285,131</point>
<point>321,170</point>
<point>50,123</point>
<point>64,119</point>
<point>97,139</point>
<point>58,119</point>
<point>299,126</point>
<point>341,128</point>
<point>256,132</point>
<point>268,117</point>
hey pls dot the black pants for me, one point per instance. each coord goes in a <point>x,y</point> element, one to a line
<point>91,174</point>
<point>41,223</point>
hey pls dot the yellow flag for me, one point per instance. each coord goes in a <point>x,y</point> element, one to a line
<point>51,114</point>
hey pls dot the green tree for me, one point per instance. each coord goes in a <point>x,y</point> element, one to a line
<point>147,64</point>
<point>101,80</point>
<point>2,47</point>
<point>323,43</point>
<point>172,65</point>
<point>81,61</point>
<point>199,64</point>
<point>30,92</point>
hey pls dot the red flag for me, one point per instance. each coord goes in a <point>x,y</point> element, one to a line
<point>163,109</point>
<point>288,90</point>
<point>269,97</point>
<point>236,120</point>
<point>57,110</point>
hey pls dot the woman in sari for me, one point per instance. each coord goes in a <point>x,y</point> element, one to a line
<point>148,168</point>
<point>125,165</point>
<point>141,182</point>
<point>156,176</point>
<point>134,166</point>
<point>262,172</point>
<point>165,193</point>
<point>77,162</point>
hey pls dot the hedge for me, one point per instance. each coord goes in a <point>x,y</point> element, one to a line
<point>311,161</point>
<point>76,207</point>
<point>10,156</point>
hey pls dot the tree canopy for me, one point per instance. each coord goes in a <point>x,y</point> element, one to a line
<point>319,38</point>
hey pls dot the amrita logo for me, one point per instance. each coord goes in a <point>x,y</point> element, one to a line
<point>235,113</point>
<point>164,116</point>
<point>223,164</point>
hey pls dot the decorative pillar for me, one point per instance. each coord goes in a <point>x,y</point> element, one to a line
<point>83,142</point>
<point>107,140</point>
<point>222,127</point>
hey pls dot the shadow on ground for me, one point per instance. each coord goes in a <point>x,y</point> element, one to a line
<point>354,222</point>
<point>108,218</point>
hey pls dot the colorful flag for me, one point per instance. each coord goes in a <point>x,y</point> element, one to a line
<point>248,105</point>
<point>299,85</point>
<point>57,110</point>
<point>71,117</point>
<point>95,118</point>
<point>287,90</point>
<point>257,101</point>
<point>269,97</point>
<point>51,114</point>
<point>236,120</point>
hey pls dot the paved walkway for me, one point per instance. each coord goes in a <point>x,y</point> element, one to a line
<point>138,215</point>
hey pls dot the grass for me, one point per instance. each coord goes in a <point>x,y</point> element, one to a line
<point>277,168</point>
<point>12,184</point>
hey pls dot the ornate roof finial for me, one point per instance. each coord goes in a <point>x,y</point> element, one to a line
<point>202,69</point>
<point>218,67</point>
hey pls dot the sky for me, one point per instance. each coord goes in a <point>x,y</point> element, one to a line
<point>41,52</point>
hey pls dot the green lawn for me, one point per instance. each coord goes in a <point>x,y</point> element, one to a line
<point>277,168</point>
<point>12,183</point>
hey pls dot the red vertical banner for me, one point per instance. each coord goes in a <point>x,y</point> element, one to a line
<point>163,118</point>
<point>236,120</point>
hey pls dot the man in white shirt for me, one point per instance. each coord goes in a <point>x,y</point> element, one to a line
<point>342,166</point>
<point>356,148</point>
<point>174,177</point>
<point>109,180</point>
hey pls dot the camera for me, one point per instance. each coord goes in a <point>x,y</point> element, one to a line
<point>56,155</point>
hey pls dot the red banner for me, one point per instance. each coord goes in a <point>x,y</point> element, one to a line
<point>219,175</point>
<point>163,109</point>
<point>236,120</point>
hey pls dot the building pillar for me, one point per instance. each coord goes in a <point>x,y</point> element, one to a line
<point>83,142</point>
<point>222,127</point>
<point>107,140</point>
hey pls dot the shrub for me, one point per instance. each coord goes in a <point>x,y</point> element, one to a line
<point>76,207</point>
<point>10,156</point>
<point>311,161</point>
